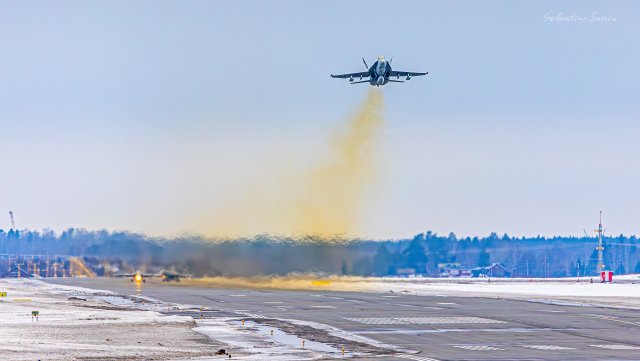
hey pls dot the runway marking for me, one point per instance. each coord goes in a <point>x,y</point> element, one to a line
<point>479,348</point>
<point>415,358</point>
<point>597,316</point>
<point>322,307</point>
<point>418,306</point>
<point>420,320</point>
<point>273,302</point>
<point>548,347</point>
<point>452,330</point>
<point>618,347</point>
<point>447,303</point>
<point>610,318</point>
<point>237,295</point>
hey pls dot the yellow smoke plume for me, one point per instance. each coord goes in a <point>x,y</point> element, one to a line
<point>326,198</point>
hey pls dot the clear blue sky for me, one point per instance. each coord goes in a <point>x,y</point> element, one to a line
<point>141,115</point>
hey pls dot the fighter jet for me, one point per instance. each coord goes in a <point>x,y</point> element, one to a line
<point>135,277</point>
<point>378,74</point>
<point>165,276</point>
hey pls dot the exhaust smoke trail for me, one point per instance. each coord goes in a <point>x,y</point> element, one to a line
<point>336,190</point>
<point>325,199</point>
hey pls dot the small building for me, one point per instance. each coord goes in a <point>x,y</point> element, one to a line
<point>460,273</point>
<point>451,270</point>
<point>406,272</point>
<point>606,276</point>
<point>493,270</point>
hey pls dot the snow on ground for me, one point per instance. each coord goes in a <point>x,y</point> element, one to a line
<point>261,343</point>
<point>71,325</point>
<point>346,335</point>
<point>562,291</point>
<point>80,323</point>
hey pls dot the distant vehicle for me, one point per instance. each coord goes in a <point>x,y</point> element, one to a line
<point>378,74</point>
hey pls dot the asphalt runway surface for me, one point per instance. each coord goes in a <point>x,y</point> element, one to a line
<point>438,327</point>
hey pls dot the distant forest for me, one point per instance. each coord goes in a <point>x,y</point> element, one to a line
<point>426,253</point>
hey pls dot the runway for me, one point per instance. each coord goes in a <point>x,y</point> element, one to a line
<point>437,327</point>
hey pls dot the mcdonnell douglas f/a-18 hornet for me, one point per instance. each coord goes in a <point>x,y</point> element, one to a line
<point>378,74</point>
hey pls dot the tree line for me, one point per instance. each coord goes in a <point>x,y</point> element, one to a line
<point>426,253</point>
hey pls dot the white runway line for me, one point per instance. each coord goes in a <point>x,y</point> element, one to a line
<point>618,347</point>
<point>418,306</point>
<point>548,347</point>
<point>420,320</point>
<point>479,348</point>
<point>416,358</point>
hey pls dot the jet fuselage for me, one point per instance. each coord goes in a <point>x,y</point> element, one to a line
<point>379,72</point>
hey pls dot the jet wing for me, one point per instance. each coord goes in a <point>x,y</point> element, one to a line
<point>351,75</point>
<point>397,73</point>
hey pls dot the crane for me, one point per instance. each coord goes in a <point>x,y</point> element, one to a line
<point>13,223</point>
